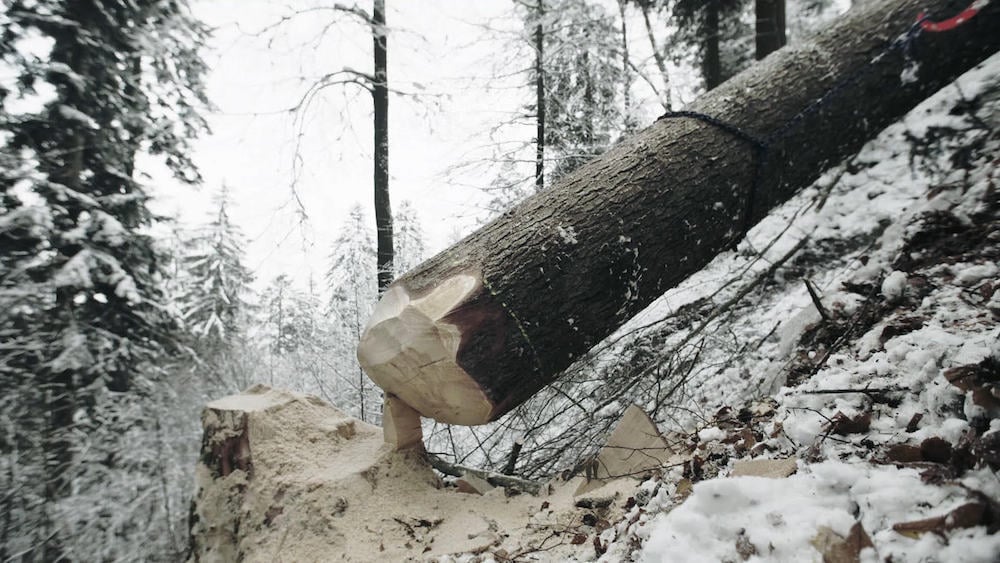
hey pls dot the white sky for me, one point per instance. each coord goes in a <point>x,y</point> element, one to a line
<point>252,148</point>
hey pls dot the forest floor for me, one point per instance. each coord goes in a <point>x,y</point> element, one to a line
<point>877,400</point>
<point>887,403</point>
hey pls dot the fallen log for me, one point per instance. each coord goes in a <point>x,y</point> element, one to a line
<point>482,326</point>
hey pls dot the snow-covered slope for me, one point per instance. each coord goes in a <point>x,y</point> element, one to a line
<point>890,405</point>
<point>877,398</point>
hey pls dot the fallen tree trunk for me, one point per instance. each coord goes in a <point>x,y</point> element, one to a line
<point>482,326</point>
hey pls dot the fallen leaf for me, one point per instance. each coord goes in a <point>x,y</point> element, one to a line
<point>965,516</point>
<point>838,549</point>
<point>684,488</point>
<point>981,379</point>
<point>746,440</point>
<point>937,474</point>
<point>594,502</point>
<point>744,547</point>
<point>599,547</point>
<point>904,453</point>
<point>935,449</point>
<point>844,425</point>
<point>987,449</point>
<point>578,539</point>
<point>911,426</point>
<point>904,325</point>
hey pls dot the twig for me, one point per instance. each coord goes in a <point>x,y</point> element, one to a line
<point>876,391</point>
<point>816,301</point>
<point>512,460</point>
<point>495,479</point>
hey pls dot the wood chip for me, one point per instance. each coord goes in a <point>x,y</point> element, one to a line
<point>965,516</point>
<point>634,447</point>
<point>772,468</point>
<point>472,484</point>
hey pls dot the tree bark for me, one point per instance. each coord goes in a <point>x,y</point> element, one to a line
<point>661,62</point>
<point>712,63</point>
<point>770,27</point>
<point>481,327</point>
<point>629,123</point>
<point>540,98</point>
<point>380,95</point>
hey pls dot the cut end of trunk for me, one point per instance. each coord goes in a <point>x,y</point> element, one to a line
<point>411,352</point>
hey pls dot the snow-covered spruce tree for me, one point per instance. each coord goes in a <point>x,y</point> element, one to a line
<point>287,319</point>
<point>352,296</point>
<point>218,283</point>
<point>576,77</point>
<point>81,319</point>
<point>506,189</point>
<point>299,350</point>
<point>408,237</point>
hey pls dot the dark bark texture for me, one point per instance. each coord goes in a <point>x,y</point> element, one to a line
<point>568,266</point>
<point>380,95</point>
<point>540,98</point>
<point>769,33</point>
<point>712,58</point>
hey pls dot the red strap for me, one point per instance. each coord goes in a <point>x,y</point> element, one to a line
<point>953,22</point>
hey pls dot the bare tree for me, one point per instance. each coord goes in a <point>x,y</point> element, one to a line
<point>376,84</point>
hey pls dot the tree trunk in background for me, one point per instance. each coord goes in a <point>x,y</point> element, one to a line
<point>661,62</point>
<point>712,64</point>
<point>481,327</point>
<point>540,98</point>
<point>770,27</point>
<point>380,95</point>
<point>629,124</point>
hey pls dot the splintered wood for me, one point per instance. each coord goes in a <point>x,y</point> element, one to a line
<point>634,447</point>
<point>400,424</point>
<point>410,350</point>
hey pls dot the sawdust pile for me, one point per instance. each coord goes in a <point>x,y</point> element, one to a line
<point>287,477</point>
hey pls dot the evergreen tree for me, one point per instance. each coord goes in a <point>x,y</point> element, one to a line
<point>81,310</point>
<point>409,238</point>
<point>505,190</point>
<point>288,320</point>
<point>577,77</point>
<point>715,32</point>
<point>218,281</point>
<point>352,297</point>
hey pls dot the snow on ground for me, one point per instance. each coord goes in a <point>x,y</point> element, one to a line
<point>891,407</point>
<point>887,409</point>
<point>868,433</point>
